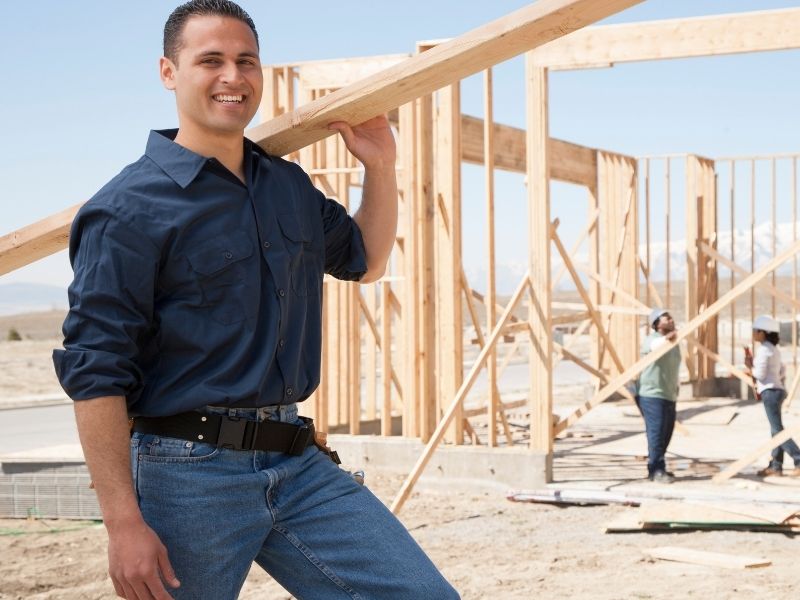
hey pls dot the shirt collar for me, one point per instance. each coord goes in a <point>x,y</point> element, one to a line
<point>181,164</point>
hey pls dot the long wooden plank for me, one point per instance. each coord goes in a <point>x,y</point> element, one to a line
<point>752,457</point>
<point>792,389</point>
<point>732,369</point>
<point>540,372</point>
<point>633,371</point>
<point>491,275</point>
<point>455,405</point>
<point>421,74</point>
<point>708,559</point>
<point>731,513</point>
<point>37,240</point>
<point>447,63</point>
<point>573,251</point>
<point>593,313</point>
<point>756,31</point>
<point>768,288</point>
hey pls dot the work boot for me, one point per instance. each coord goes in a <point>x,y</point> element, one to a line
<point>794,472</point>
<point>662,477</point>
<point>769,471</point>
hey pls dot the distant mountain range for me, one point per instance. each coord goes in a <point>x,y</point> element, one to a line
<point>510,273</point>
<point>16,298</point>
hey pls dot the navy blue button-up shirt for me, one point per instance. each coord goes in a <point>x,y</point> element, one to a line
<point>192,288</point>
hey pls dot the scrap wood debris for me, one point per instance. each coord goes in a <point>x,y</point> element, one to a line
<point>682,516</point>
<point>709,559</point>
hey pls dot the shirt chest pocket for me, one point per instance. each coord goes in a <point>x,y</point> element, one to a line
<point>305,254</point>
<point>224,270</point>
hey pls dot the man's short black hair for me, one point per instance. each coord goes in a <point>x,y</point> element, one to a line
<point>199,8</point>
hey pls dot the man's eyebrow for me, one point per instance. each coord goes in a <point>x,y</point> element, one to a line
<point>220,53</point>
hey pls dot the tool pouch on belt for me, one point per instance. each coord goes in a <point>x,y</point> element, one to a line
<point>321,442</point>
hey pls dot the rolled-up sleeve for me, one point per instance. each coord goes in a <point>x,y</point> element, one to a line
<point>111,306</point>
<point>345,255</point>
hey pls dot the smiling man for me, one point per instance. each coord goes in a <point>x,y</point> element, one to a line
<point>195,311</point>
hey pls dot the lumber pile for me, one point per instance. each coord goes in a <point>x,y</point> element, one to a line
<point>683,516</point>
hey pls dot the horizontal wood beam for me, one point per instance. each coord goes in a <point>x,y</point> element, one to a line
<point>633,371</point>
<point>447,63</point>
<point>714,35</point>
<point>567,161</point>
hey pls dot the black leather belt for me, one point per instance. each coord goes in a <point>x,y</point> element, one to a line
<point>231,432</point>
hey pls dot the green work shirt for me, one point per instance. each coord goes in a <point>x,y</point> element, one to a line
<point>660,380</point>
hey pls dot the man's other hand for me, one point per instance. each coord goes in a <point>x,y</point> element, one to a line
<point>138,562</point>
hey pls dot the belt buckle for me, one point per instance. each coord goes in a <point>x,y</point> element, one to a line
<point>304,433</point>
<point>233,434</point>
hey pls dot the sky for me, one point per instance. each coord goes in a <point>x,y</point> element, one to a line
<point>82,92</point>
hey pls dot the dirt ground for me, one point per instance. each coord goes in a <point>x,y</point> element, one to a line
<point>487,546</point>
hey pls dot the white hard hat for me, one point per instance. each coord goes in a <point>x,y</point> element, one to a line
<point>766,323</point>
<point>656,314</point>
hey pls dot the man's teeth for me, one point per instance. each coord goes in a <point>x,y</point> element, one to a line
<point>224,98</point>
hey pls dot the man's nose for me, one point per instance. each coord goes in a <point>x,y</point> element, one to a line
<point>231,73</point>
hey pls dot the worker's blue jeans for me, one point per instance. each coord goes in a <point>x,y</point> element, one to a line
<point>314,529</point>
<point>773,399</point>
<point>659,422</point>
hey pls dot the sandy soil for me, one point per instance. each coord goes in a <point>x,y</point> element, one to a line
<point>485,545</point>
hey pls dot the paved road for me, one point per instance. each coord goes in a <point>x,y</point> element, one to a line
<point>39,427</point>
<point>30,428</point>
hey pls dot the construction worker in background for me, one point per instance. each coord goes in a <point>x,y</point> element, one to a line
<point>657,394</point>
<point>770,376</point>
<point>196,311</point>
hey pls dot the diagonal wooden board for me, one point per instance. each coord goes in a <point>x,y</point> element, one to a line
<point>446,63</point>
<point>753,456</point>
<point>485,46</point>
<point>636,368</point>
<point>708,559</point>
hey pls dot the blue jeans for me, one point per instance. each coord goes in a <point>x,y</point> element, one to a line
<point>659,423</point>
<point>773,399</point>
<point>302,519</point>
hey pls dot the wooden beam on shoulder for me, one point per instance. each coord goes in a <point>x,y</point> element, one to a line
<point>603,46</point>
<point>447,63</point>
<point>451,61</point>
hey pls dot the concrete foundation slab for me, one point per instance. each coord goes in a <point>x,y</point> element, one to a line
<point>468,466</point>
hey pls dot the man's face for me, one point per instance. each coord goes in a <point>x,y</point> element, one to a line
<point>666,324</point>
<point>217,79</point>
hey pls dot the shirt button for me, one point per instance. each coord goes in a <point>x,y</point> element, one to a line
<point>228,255</point>
<point>267,244</point>
<point>281,343</point>
<point>281,293</point>
<point>289,391</point>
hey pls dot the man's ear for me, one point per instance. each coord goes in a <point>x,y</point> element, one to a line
<point>167,70</point>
